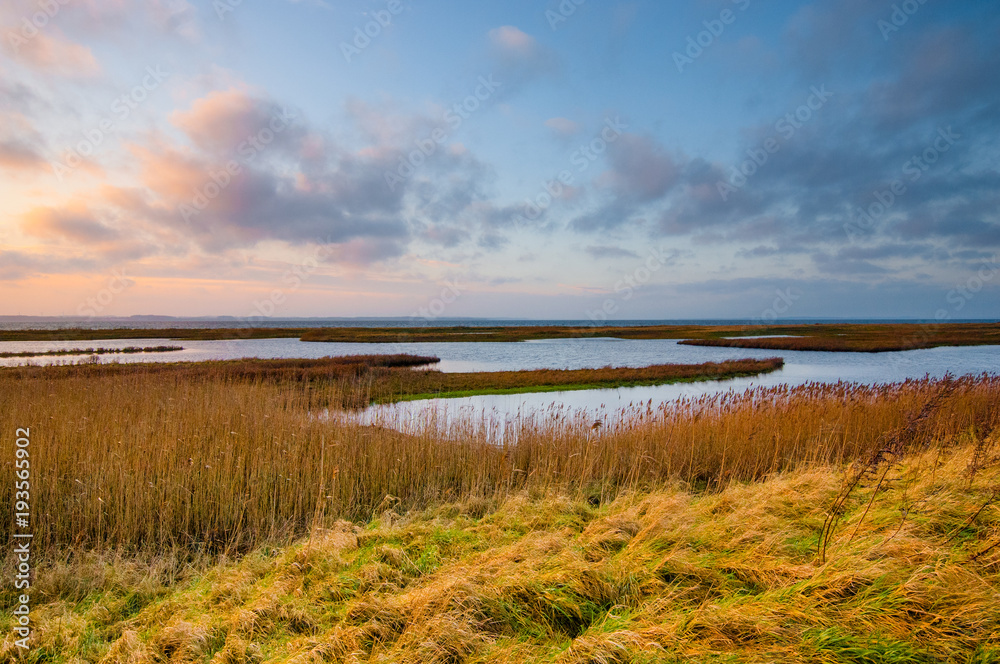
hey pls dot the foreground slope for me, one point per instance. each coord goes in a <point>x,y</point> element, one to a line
<point>666,575</point>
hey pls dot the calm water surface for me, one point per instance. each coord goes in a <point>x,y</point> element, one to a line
<point>800,367</point>
<point>500,412</point>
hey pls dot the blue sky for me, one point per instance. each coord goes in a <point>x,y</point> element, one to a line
<point>719,158</point>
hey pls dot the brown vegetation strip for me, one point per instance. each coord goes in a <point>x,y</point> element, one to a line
<point>432,383</point>
<point>222,370</point>
<point>875,337</point>
<point>202,334</point>
<point>130,350</point>
<point>865,338</point>
<point>365,379</point>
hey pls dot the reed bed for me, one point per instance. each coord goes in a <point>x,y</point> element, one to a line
<point>208,462</point>
<point>285,370</point>
<point>667,575</point>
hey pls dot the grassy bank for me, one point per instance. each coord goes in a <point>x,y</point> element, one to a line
<point>655,574</point>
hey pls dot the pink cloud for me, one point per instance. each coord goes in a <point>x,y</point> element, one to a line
<point>50,51</point>
<point>513,40</point>
<point>74,223</point>
<point>562,126</point>
<point>221,119</point>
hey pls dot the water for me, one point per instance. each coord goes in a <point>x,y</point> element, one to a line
<point>499,411</point>
<point>503,412</point>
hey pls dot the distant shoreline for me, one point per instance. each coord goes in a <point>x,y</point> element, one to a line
<point>829,337</point>
<point>130,350</point>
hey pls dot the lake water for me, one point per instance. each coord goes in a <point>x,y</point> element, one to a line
<point>500,410</point>
<point>500,413</point>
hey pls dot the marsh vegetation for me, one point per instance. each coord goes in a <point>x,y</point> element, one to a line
<point>203,514</point>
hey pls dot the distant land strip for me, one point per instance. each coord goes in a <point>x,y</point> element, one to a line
<point>846,337</point>
<point>92,351</point>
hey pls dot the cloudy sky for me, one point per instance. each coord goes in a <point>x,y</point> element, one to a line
<point>516,158</point>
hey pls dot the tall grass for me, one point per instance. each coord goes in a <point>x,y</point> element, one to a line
<point>207,462</point>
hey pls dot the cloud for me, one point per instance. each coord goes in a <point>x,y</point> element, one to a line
<point>514,44</point>
<point>562,127</point>
<point>22,147</point>
<point>20,265</point>
<point>20,155</point>
<point>640,172</point>
<point>222,121</point>
<point>302,186</point>
<point>17,265</point>
<point>944,70</point>
<point>367,250</point>
<point>642,168</point>
<point>610,252</point>
<point>18,98</point>
<point>939,79</point>
<point>93,233</point>
<point>175,16</point>
<point>51,52</point>
<point>75,225</point>
<point>519,58</point>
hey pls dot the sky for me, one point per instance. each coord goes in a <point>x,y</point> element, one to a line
<point>559,159</point>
